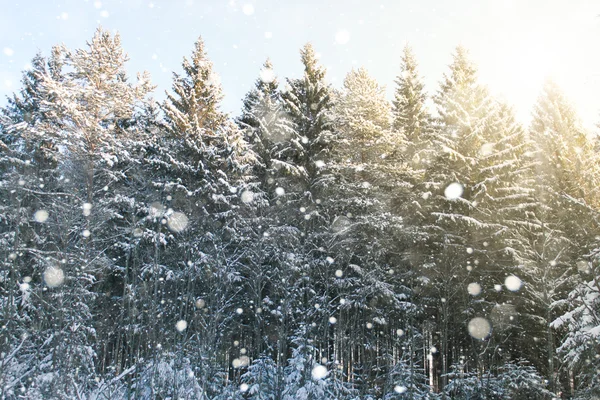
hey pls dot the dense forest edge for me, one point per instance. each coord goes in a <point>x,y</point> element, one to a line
<point>323,244</point>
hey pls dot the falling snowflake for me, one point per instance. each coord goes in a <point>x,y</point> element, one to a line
<point>399,389</point>
<point>342,36</point>
<point>40,216</point>
<point>453,191</point>
<point>479,328</point>
<point>474,289</point>
<point>248,9</point>
<point>513,283</point>
<point>319,372</point>
<point>87,209</point>
<point>177,222</point>
<point>54,277</point>
<point>267,75</point>
<point>247,196</point>
<point>181,325</point>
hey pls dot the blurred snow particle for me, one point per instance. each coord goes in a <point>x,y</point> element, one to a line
<point>453,191</point>
<point>268,35</point>
<point>214,79</point>
<point>513,283</point>
<point>332,320</point>
<point>342,36</point>
<point>98,4</point>
<point>583,266</point>
<point>23,287</point>
<point>181,325</point>
<point>242,361</point>
<point>279,191</point>
<point>156,209</point>
<point>8,51</point>
<point>474,289</point>
<point>503,316</point>
<point>320,163</point>
<point>137,232</point>
<point>40,216</point>
<point>87,209</point>
<point>239,311</point>
<point>248,9</point>
<point>244,387</point>
<point>339,273</point>
<point>104,14</point>
<point>330,260</point>
<point>479,328</point>
<point>486,149</point>
<point>200,303</point>
<point>399,332</point>
<point>319,372</point>
<point>469,250</point>
<point>177,222</point>
<point>498,288</point>
<point>86,233</point>
<point>247,196</point>
<point>27,279</point>
<point>340,223</point>
<point>369,325</point>
<point>399,389</point>
<point>267,75</point>
<point>53,276</point>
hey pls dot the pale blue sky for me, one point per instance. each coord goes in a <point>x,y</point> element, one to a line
<point>515,43</point>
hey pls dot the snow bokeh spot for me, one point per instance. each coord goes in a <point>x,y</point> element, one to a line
<point>242,361</point>
<point>40,216</point>
<point>479,328</point>
<point>181,325</point>
<point>267,75</point>
<point>279,191</point>
<point>177,222</point>
<point>319,372</point>
<point>399,389</point>
<point>474,289</point>
<point>453,191</point>
<point>87,209</point>
<point>247,196</point>
<point>513,283</point>
<point>248,9</point>
<point>342,36</point>
<point>53,277</point>
<point>8,51</point>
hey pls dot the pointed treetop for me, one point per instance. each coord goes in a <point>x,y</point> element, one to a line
<point>554,112</point>
<point>462,69</point>
<point>312,69</point>
<point>194,105</point>
<point>410,114</point>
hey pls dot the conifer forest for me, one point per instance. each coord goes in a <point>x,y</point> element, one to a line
<point>323,243</point>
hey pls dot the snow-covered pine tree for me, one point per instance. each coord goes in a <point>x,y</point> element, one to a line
<point>470,179</point>
<point>364,232</point>
<point>562,226</point>
<point>410,114</point>
<point>203,188</point>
